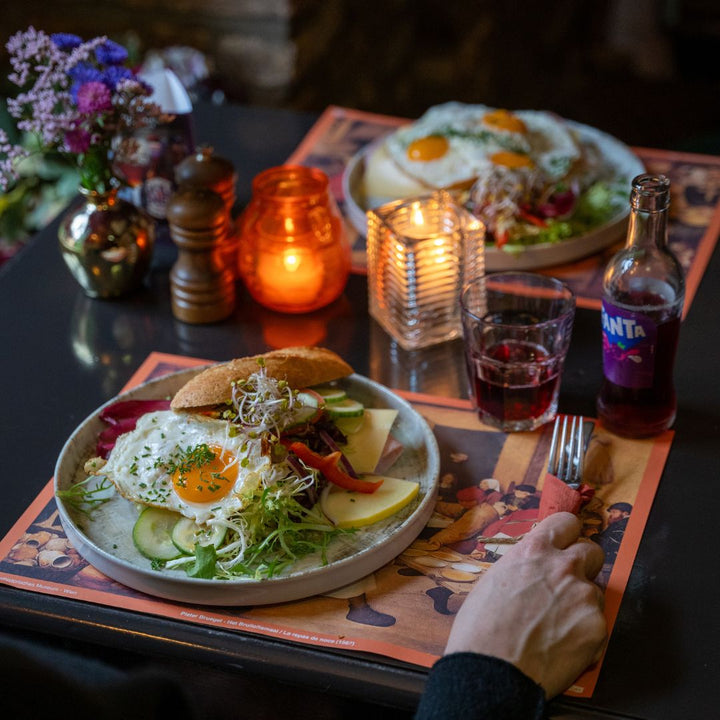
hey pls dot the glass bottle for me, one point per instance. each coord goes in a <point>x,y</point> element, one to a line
<point>642,303</point>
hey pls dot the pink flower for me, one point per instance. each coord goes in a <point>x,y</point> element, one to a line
<point>77,141</point>
<point>93,97</point>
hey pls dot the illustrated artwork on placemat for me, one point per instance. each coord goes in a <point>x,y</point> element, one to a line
<point>490,490</point>
<point>340,133</point>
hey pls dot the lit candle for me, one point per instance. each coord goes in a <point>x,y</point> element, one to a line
<point>294,255</point>
<point>420,252</point>
<point>290,276</point>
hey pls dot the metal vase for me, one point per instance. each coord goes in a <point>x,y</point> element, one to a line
<point>107,243</point>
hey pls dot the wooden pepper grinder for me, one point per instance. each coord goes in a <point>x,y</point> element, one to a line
<point>202,287</point>
<point>204,169</point>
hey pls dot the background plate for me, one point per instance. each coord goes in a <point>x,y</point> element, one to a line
<point>106,541</point>
<point>619,159</point>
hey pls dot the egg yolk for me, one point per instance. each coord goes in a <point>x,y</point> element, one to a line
<point>427,148</point>
<point>511,159</point>
<point>505,120</point>
<point>207,473</point>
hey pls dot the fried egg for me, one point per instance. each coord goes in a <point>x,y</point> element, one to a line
<point>453,144</point>
<point>190,464</point>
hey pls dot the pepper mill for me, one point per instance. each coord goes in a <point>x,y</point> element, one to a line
<point>202,287</point>
<point>204,169</point>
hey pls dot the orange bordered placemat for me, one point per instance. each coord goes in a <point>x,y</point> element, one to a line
<point>425,585</point>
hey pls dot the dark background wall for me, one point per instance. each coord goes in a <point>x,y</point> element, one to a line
<point>647,71</point>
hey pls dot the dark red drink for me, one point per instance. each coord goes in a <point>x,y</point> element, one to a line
<point>644,411</point>
<point>515,380</point>
<point>642,301</point>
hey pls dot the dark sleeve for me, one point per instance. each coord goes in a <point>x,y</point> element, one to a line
<point>469,686</point>
<point>38,682</point>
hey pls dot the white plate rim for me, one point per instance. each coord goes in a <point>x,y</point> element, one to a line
<point>535,256</point>
<point>321,580</point>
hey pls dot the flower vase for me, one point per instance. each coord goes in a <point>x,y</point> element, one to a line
<point>107,243</point>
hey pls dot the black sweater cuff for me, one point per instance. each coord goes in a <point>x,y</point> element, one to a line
<point>470,686</point>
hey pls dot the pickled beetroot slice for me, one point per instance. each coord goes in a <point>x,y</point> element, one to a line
<point>131,409</point>
<point>122,417</point>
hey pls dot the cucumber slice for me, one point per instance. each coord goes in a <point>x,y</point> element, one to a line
<point>330,394</point>
<point>350,425</point>
<point>303,415</point>
<point>187,532</point>
<point>345,408</point>
<point>152,533</point>
<point>310,398</point>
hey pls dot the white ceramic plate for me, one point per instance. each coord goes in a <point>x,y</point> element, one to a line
<point>106,541</point>
<point>621,162</point>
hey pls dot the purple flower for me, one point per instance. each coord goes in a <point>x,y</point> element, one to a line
<point>93,97</point>
<point>111,53</point>
<point>114,74</point>
<point>74,95</point>
<point>77,141</point>
<point>66,41</point>
<point>85,72</point>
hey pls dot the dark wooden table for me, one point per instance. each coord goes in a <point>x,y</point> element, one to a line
<point>63,355</point>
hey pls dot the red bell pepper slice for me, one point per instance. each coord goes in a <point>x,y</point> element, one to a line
<point>501,238</point>
<point>532,219</point>
<point>329,466</point>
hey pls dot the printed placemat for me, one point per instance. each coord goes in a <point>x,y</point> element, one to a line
<point>491,486</point>
<point>694,224</point>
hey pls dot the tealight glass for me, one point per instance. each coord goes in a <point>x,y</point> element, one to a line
<point>294,255</point>
<point>421,252</point>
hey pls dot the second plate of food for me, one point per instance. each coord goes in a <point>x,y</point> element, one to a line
<point>611,160</point>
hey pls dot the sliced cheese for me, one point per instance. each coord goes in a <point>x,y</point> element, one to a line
<point>346,508</point>
<point>365,446</point>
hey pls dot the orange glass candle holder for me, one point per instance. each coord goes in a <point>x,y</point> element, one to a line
<point>294,255</point>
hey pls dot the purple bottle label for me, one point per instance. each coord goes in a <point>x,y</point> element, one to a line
<point>629,340</point>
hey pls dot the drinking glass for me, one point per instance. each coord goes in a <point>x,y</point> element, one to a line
<point>517,328</point>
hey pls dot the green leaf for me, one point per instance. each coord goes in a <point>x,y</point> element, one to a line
<point>204,565</point>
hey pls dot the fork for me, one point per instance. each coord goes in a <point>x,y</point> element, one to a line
<point>567,450</point>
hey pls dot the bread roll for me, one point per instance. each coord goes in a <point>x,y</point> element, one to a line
<point>300,366</point>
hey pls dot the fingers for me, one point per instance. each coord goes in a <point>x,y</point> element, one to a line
<point>594,557</point>
<point>560,530</point>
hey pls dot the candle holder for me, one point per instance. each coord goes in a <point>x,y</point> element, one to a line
<point>421,252</point>
<point>294,256</point>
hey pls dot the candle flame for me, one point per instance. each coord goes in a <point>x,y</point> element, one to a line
<point>291,261</point>
<point>417,217</point>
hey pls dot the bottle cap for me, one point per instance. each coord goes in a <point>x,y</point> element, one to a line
<point>650,193</point>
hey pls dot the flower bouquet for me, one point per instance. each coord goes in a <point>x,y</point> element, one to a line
<point>77,98</point>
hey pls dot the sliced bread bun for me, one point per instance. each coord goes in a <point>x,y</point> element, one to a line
<point>300,366</point>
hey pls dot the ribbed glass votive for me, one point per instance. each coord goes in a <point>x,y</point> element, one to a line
<point>421,252</point>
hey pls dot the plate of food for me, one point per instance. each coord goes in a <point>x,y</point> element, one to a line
<point>260,480</point>
<point>549,190</point>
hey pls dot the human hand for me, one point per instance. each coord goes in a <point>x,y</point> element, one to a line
<point>537,607</point>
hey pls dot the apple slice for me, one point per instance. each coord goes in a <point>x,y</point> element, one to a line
<point>345,508</point>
